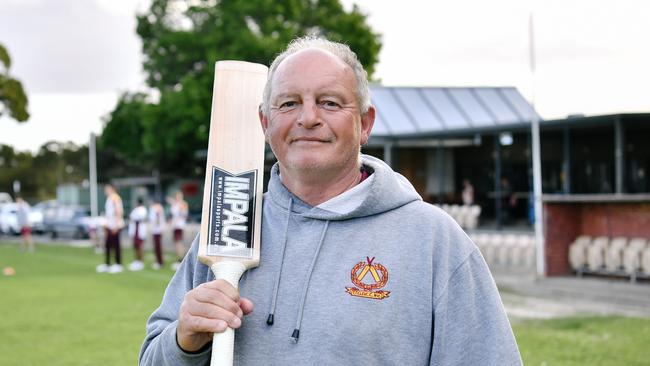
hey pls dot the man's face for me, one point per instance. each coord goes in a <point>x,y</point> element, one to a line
<point>314,123</point>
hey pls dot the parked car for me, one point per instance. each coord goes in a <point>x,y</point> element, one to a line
<point>5,198</point>
<point>67,221</point>
<point>38,212</point>
<point>9,219</point>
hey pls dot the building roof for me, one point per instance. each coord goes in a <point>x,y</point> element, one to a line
<point>433,111</point>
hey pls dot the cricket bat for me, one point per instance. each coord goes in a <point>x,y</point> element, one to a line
<point>229,241</point>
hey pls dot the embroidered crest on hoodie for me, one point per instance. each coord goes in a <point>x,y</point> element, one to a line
<point>369,278</point>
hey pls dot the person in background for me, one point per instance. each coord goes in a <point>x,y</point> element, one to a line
<point>157,224</point>
<point>468,193</point>
<point>114,215</point>
<point>25,225</point>
<point>138,231</point>
<point>179,211</point>
<point>93,234</point>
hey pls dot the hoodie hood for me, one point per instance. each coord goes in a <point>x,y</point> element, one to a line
<point>387,190</point>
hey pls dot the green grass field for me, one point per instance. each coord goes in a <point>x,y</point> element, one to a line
<point>593,341</point>
<point>57,311</point>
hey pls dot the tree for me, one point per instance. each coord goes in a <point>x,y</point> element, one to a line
<point>39,174</point>
<point>123,134</point>
<point>13,99</point>
<point>182,40</point>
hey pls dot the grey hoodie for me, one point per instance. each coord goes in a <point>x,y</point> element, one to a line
<point>378,278</point>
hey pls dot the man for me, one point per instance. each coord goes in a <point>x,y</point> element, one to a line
<point>138,231</point>
<point>114,222</point>
<point>179,211</point>
<point>22,208</point>
<point>356,269</point>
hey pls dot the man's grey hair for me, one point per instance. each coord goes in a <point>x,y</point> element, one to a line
<point>340,50</point>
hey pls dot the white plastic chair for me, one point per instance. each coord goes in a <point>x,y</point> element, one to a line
<point>578,252</point>
<point>516,254</point>
<point>491,248</point>
<point>461,216</point>
<point>505,249</point>
<point>518,250</point>
<point>614,256</point>
<point>632,255</point>
<point>471,218</point>
<point>645,261</point>
<point>453,212</point>
<point>481,241</point>
<point>530,253</point>
<point>596,253</point>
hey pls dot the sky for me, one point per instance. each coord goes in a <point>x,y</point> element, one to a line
<point>74,57</point>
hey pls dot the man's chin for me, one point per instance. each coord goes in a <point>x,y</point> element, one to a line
<point>309,165</point>
<point>317,168</point>
<point>321,163</point>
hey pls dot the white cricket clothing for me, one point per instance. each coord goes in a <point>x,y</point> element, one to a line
<point>156,221</point>
<point>139,214</point>
<point>111,209</point>
<point>179,216</point>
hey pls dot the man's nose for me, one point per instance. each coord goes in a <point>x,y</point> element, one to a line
<point>309,117</point>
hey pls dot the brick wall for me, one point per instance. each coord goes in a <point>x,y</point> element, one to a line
<point>565,221</point>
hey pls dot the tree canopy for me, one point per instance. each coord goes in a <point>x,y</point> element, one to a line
<point>13,99</point>
<point>182,39</point>
<point>40,173</point>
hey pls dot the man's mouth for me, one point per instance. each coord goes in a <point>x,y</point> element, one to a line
<point>308,140</point>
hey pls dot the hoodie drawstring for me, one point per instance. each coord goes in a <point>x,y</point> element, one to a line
<point>296,331</point>
<point>276,288</point>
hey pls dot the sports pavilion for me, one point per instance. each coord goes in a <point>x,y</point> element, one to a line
<point>595,169</point>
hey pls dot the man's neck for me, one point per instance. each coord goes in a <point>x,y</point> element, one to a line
<point>315,189</point>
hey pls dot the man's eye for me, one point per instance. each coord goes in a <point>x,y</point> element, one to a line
<point>287,105</point>
<point>330,105</point>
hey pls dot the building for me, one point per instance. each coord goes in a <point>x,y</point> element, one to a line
<point>594,169</point>
<point>437,137</point>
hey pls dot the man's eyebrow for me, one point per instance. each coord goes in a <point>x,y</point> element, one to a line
<point>285,95</point>
<point>336,93</point>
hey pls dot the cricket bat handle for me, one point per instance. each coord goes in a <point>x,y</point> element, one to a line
<point>223,344</point>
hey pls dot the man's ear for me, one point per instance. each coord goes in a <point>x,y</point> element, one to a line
<point>367,121</point>
<point>264,120</point>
